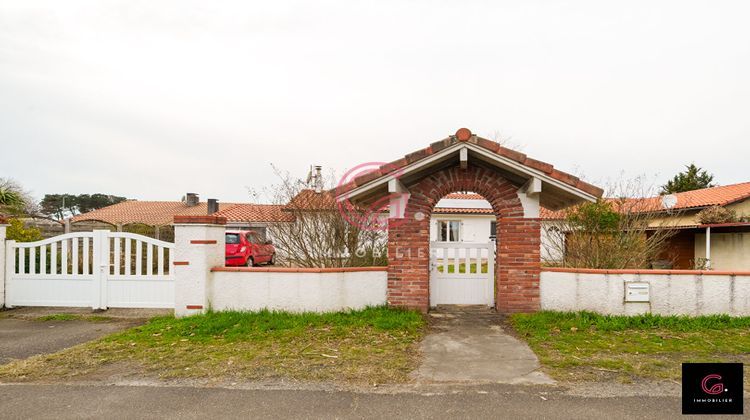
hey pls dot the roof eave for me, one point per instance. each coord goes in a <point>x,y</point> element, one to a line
<point>501,161</point>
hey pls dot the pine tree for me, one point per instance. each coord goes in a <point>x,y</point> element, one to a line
<point>693,178</point>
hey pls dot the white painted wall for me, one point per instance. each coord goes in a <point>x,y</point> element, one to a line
<point>2,264</point>
<point>191,281</point>
<point>297,292</point>
<point>670,294</point>
<point>729,251</point>
<point>474,228</point>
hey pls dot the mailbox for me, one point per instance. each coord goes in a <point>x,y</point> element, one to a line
<point>636,292</point>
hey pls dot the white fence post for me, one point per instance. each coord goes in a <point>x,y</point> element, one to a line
<point>199,247</point>
<point>3,228</point>
<point>100,269</point>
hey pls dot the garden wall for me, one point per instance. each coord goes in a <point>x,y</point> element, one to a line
<point>296,289</point>
<point>668,292</point>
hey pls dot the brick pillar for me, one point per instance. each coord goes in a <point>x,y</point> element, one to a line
<point>408,263</point>
<point>3,227</point>
<point>518,264</point>
<point>199,246</point>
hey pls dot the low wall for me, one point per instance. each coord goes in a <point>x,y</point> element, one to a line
<point>668,292</point>
<point>296,289</point>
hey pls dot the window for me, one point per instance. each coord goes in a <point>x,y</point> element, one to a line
<point>493,230</point>
<point>449,230</point>
<point>233,238</point>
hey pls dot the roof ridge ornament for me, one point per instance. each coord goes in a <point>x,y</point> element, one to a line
<point>463,134</point>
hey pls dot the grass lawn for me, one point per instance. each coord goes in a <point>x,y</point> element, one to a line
<point>375,345</point>
<point>462,268</point>
<point>585,346</point>
<point>74,317</point>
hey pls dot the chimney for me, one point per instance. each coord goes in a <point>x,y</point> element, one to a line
<point>213,206</point>
<point>318,179</point>
<point>191,199</point>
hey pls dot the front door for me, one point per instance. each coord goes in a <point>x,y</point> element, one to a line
<point>462,273</point>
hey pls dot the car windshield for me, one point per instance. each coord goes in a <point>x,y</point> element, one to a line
<point>233,238</point>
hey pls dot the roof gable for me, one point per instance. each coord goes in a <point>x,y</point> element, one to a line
<point>567,187</point>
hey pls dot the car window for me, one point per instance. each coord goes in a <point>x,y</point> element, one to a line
<point>233,238</point>
<point>253,238</point>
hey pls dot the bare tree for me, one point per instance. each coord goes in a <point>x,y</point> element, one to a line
<point>318,233</point>
<point>629,230</point>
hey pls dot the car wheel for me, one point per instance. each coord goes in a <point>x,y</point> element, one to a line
<point>250,262</point>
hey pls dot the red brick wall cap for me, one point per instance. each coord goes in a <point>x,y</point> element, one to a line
<point>645,271</point>
<point>296,269</point>
<point>200,220</point>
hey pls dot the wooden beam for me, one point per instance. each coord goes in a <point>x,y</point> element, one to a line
<point>399,199</point>
<point>396,186</point>
<point>533,186</point>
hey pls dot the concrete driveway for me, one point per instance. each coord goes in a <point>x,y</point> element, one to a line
<point>469,344</point>
<point>24,336</point>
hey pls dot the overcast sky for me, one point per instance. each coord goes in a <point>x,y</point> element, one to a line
<point>152,99</point>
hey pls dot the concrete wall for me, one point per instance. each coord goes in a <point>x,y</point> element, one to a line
<point>3,228</point>
<point>199,246</point>
<point>296,290</point>
<point>729,251</point>
<point>671,292</point>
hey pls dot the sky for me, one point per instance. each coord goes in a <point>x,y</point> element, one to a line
<point>153,99</point>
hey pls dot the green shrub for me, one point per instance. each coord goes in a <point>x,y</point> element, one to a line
<point>18,232</point>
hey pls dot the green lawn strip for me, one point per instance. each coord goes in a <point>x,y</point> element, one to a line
<point>462,268</point>
<point>74,317</point>
<point>372,345</point>
<point>585,346</point>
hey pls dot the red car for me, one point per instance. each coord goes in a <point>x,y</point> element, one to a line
<point>248,248</point>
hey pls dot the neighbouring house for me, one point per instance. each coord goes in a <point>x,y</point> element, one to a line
<point>718,246</point>
<point>693,245</point>
<point>155,218</point>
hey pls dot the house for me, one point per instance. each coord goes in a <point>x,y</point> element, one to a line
<point>468,217</point>
<point>155,218</point>
<point>722,247</point>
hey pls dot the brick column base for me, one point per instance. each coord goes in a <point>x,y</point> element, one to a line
<point>518,265</point>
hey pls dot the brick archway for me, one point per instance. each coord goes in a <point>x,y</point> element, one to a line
<point>517,263</point>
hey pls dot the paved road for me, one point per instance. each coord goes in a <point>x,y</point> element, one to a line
<point>21,338</point>
<point>79,402</point>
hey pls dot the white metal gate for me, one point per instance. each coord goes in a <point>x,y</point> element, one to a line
<point>99,269</point>
<point>462,273</point>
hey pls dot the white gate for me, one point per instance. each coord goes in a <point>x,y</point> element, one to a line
<point>99,269</point>
<point>462,273</point>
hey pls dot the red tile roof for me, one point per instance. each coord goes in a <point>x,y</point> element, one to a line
<point>457,210</point>
<point>162,213</point>
<point>464,196</point>
<point>308,199</point>
<point>256,213</point>
<point>706,197</point>
<point>489,145</point>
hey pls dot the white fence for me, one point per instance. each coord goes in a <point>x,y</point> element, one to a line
<point>631,292</point>
<point>99,269</point>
